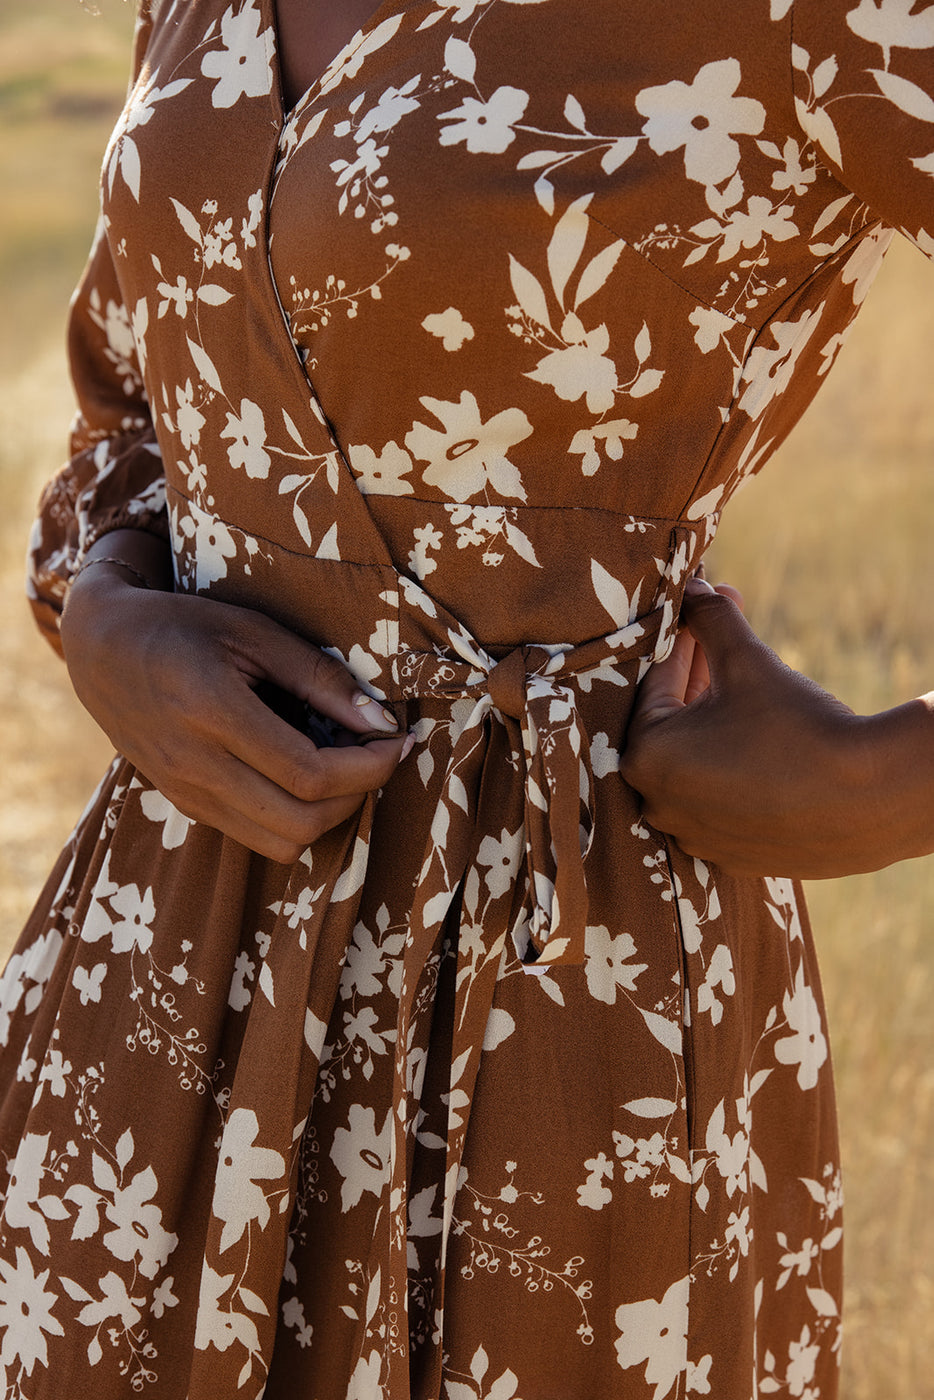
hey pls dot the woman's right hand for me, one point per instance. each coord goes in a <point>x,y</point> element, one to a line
<point>171,680</point>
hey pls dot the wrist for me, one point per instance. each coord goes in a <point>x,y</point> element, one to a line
<point>898,778</point>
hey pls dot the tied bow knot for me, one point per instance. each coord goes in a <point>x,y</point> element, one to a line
<point>530,690</point>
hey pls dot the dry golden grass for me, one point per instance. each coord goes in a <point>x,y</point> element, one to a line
<point>830,547</point>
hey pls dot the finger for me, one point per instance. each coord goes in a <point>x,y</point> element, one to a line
<point>259,815</point>
<point>700,672</point>
<point>718,626</point>
<point>266,651</point>
<point>665,685</point>
<point>271,747</point>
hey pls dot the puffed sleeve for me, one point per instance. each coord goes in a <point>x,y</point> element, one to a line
<point>114,477</point>
<point>864,92</point>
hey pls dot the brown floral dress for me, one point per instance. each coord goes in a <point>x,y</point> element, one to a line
<point>495,1094</point>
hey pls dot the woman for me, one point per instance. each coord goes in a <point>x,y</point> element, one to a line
<point>351,1068</point>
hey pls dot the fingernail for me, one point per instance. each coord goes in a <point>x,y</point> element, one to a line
<point>374,713</point>
<point>407,747</point>
<point>698,585</point>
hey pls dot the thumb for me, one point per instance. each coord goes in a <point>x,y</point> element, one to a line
<point>718,626</point>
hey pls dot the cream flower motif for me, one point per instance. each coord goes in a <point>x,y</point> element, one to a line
<point>240,1164</point>
<point>26,1313</point>
<point>747,228</point>
<point>394,104</point>
<point>656,1333</point>
<point>134,929</point>
<point>381,474</point>
<point>181,296</point>
<point>767,373</point>
<point>611,434</point>
<point>719,974</point>
<point>807,1047</point>
<point>794,176</point>
<point>212,544</point>
<point>802,1360</point>
<point>710,326</point>
<point>114,1301</point>
<point>364,1383</point>
<point>175,825</point>
<point>864,262</point>
<point>244,67</point>
<point>450,328</point>
<point>215,1328</point>
<point>364,971</point>
<point>139,1231</point>
<point>468,455</point>
<point>580,370</point>
<point>188,420</point>
<point>732,1153</point>
<point>501,859</point>
<point>248,448</point>
<point>485,126</point>
<point>22,1199</point>
<point>701,117</point>
<point>361,1154</point>
<point>608,968</point>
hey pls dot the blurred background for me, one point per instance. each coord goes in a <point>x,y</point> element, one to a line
<point>831,547</point>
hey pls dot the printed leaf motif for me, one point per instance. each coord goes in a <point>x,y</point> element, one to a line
<point>296,437</point>
<point>597,271</point>
<point>204,365</point>
<point>821,129</point>
<point>815,1190</point>
<point>830,213</point>
<point>460,59</point>
<point>906,95</point>
<point>125,1148</point>
<point>74,1290</point>
<point>647,383</point>
<point>188,222</point>
<point>545,194</point>
<point>823,1302</point>
<point>372,1296</point>
<point>667,1033</point>
<point>612,594</point>
<point>213,294</point>
<point>266,984</point>
<point>536,160</point>
<point>130,166</point>
<point>529,293</point>
<point>521,543</point>
<point>618,154</point>
<point>253,1301</point>
<point>103,1173</point>
<point>574,113</point>
<point>567,244</point>
<point>824,75</point>
<point>651,1108</point>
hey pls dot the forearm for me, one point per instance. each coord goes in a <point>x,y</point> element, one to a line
<point>146,556</point>
<point>899,781</point>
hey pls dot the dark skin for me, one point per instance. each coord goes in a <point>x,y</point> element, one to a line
<point>744,762</point>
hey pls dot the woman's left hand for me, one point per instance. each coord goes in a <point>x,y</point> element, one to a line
<point>761,771</point>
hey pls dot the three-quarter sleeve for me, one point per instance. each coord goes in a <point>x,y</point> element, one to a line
<point>114,476</point>
<point>864,92</point>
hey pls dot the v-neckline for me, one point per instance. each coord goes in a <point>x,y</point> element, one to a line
<point>381,11</point>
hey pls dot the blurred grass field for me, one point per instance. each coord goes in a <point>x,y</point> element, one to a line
<point>830,547</point>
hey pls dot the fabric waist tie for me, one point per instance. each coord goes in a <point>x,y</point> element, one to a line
<point>534,690</point>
